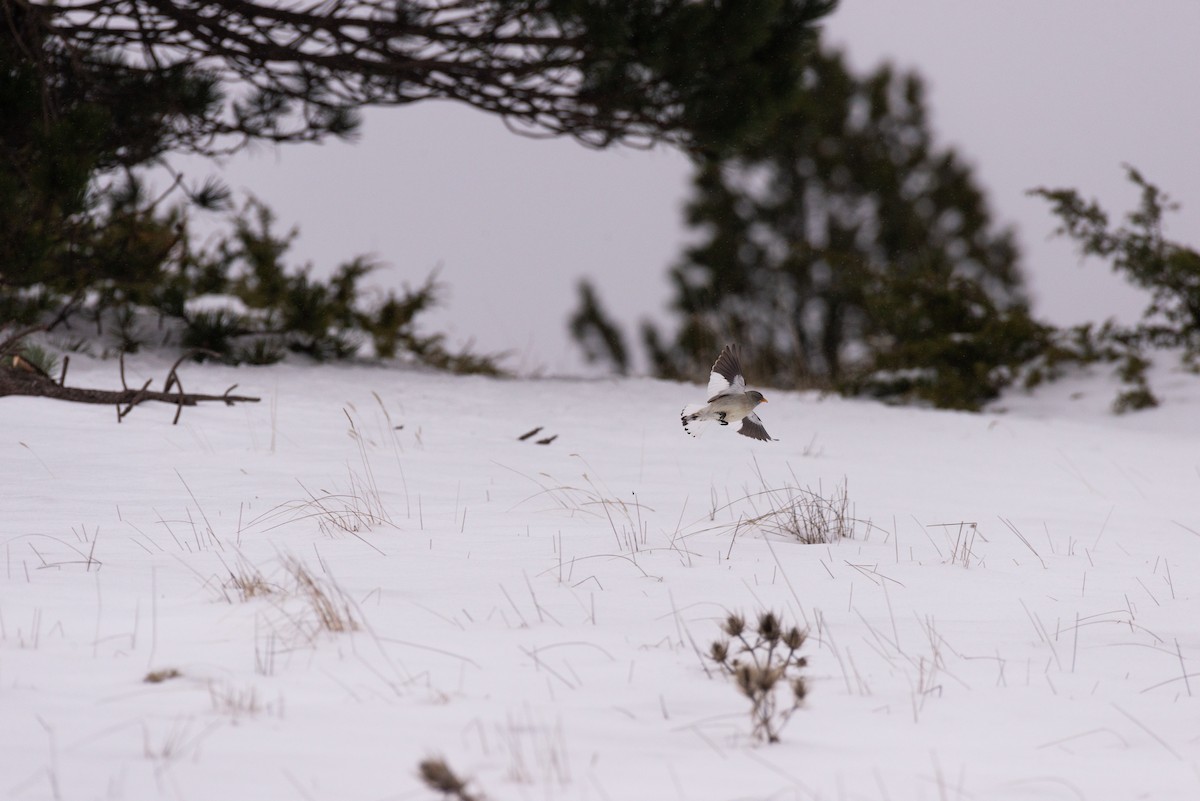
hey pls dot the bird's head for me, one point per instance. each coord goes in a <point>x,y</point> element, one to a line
<point>756,396</point>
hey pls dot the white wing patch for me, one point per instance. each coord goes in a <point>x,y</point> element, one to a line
<point>726,375</point>
<point>717,385</point>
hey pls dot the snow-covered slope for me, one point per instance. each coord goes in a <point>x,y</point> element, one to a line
<point>1014,617</point>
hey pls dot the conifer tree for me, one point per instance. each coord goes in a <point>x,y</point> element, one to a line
<point>698,73</point>
<point>92,93</point>
<point>73,125</point>
<point>845,249</point>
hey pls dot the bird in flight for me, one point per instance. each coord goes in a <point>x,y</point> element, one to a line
<point>728,399</point>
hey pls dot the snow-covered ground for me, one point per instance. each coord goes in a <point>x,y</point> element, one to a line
<point>1015,616</point>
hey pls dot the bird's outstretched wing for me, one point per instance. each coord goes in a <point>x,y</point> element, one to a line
<point>726,373</point>
<point>752,427</point>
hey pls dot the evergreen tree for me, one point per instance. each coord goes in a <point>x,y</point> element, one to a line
<point>599,336</point>
<point>92,94</point>
<point>73,125</point>
<point>843,248</point>
<point>696,73</point>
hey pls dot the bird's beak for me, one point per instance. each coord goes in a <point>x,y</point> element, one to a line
<point>764,400</point>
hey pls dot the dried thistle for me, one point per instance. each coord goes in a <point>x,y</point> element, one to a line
<point>768,627</point>
<point>763,660</point>
<point>794,639</point>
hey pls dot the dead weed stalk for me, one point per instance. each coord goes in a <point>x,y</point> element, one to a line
<point>760,660</point>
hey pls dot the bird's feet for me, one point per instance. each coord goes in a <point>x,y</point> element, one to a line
<point>722,419</point>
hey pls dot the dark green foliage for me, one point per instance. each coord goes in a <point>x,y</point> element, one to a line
<point>42,359</point>
<point>71,120</point>
<point>947,342</point>
<point>289,310</point>
<point>1137,396</point>
<point>1140,252</point>
<point>262,351</point>
<point>214,332</point>
<point>82,236</point>
<point>1087,344</point>
<point>700,73</point>
<point>271,308</point>
<point>709,74</point>
<point>600,338</point>
<point>92,95</point>
<point>845,250</point>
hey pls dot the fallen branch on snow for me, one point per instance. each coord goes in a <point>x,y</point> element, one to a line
<point>18,377</point>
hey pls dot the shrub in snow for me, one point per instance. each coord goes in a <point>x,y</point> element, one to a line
<point>1138,250</point>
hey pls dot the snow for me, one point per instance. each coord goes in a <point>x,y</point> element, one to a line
<point>213,303</point>
<point>1013,618</point>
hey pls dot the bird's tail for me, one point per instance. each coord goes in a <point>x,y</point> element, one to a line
<point>689,416</point>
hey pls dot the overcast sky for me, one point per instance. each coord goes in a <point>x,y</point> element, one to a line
<point>1031,92</point>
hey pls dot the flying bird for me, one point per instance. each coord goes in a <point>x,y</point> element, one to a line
<point>728,399</point>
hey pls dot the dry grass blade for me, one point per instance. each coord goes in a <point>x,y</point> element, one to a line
<point>624,518</point>
<point>794,512</point>
<point>352,512</point>
<point>240,702</point>
<point>332,611</point>
<point>245,582</point>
